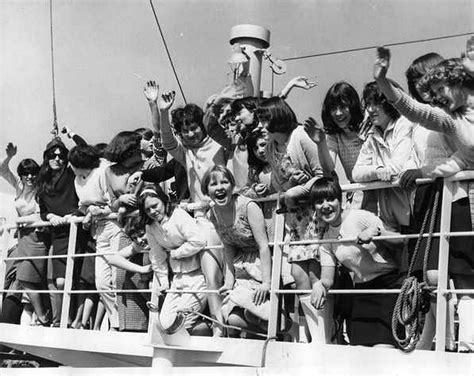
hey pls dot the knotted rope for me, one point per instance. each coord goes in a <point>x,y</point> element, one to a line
<point>413,302</point>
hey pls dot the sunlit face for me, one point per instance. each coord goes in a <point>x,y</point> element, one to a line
<point>56,159</point>
<point>377,115</point>
<point>259,149</point>
<point>329,211</point>
<point>220,189</point>
<point>232,128</point>
<point>28,180</point>
<point>244,116</point>
<point>447,97</point>
<point>192,134</point>
<point>278,138</point>
<point>263,125</point>
<point>341,115</point>
<point>155,209</point>
<point>81,172</point>
<point>146,146</point>
<point>225,110</point>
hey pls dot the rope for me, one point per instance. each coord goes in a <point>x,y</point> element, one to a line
<point>167,51</point>
<point>264,350</point>
<point>373,47</point>
<point>413,302</point>
<point>55,130</point>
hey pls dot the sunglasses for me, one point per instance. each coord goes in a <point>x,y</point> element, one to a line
<point>55,155</point>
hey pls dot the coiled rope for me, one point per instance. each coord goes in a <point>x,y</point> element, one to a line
<point>413,302</point>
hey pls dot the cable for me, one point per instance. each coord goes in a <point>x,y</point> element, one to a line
<point>373,47</point>
<point>55,130</point>
<point>167,51</point>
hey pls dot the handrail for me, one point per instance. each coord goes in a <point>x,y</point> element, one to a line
<point>444,234</point>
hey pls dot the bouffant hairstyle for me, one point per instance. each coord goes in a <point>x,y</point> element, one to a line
<point>187,115</point>
<point>373,95</point>
<point>418,69</point>
<point>450,72</point>
<point>279,115</point>
<point>122,146</point>
<point>84,156</point>
<point>341,94</point>
<point>213,171</point>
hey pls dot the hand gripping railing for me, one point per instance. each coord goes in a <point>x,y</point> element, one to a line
<point>278,243</point>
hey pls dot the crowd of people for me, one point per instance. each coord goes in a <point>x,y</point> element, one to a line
<point>180,202</point>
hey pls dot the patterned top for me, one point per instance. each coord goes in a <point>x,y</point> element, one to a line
<point>347,147</point>
<point>238,234</point>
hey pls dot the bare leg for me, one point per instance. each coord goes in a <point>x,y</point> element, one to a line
<point>99,316</point>
<point>89,304</point>
<point>36,301</point>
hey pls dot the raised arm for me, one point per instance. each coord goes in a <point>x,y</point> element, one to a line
<point>5,171</point>
<point>428,116</point>
<point>316,133</point>
<point>151,92</point>
<point>78,140</point>
<point>298,81</point>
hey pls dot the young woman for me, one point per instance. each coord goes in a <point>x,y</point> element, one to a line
<point>31,274</point>
<point>58,201</point>
<point>175,240</point>
<point>153,153</point>
<point>370,261</point>
<point>240,224</point>
<point>197,152</point>
<point>451,89</point>
<point>383,155</point>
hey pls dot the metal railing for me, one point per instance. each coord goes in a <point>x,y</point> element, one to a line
<point>278,243</point>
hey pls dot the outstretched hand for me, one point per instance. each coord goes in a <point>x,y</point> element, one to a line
<point>151,90</point>
<point>303,82</point>
<point>468,58</point>
<point>166,100</point>
<point>11,150</point>
<point>314,130</point>
<point>382,63</point>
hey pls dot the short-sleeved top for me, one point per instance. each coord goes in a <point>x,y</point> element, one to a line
<point>367,261</point>
<point>239,234</point>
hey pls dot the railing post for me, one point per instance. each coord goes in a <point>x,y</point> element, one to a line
<point>5,240</point>
<point>441,298</point>
<point>276,274</point>
<point>71,250</point>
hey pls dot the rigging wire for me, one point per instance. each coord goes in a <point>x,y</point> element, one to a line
<point>373,47</point>
<point>55,130</point>
<point>167,51</point>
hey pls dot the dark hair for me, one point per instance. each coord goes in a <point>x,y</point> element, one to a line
<point>253,161</point>
<point>341,94</point>
<point>279,115</point>
<point>250,103</point>
<point>372,94</point>
<point>28,166</point>
<point>211,172</point>
<point>122,146</point>
<point>187,115</point>
<point>84,156</point>
<point>418,69</point>
<point>47,177</point>
<point>145,133</point>
<point>449,71</point>
<point>100,148</point>
<point>326,187</point>
<point>152,190</point>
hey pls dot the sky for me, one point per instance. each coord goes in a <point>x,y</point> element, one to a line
<point>105,51</point>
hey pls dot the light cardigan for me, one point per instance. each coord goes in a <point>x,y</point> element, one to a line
<point>390,149</point>
<point>93,189</point>
<point>196,160</point>
<point>303,153</point>
<point>179,238</point>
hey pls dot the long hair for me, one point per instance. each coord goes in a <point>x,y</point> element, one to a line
<point>47,177</point>
<point>372,94</point>
<point>253,161</point>
<point>152,190</point>
<point>122,146</point>
<point>28,166</point>
<point>341,94</point>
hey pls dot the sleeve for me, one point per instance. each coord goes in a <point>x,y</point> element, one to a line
<point>159,174</point>
<point>448,167</point>
<point>173,146</point>
<point>8,175</point>
<point>326,255</point>
<point>43,211</point>
<point>78,140</point>
<point>403,145</point>
<point>358,221</point>
<point>310,151</point>
<point>194,240</point>
<point>158,257</point>
<point>427,116</point>
<point>365,167</point>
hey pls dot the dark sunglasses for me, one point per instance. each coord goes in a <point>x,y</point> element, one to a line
<point>54,155</point>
